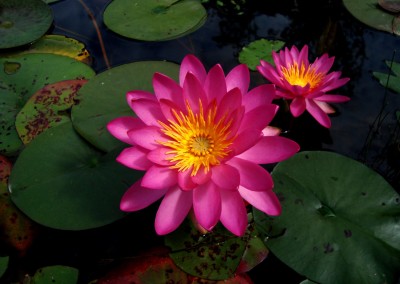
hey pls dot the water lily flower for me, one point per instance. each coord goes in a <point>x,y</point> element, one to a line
<point>304,84</point>
<point>201,142</point>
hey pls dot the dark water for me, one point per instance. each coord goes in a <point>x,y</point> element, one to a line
<point>325,25</point>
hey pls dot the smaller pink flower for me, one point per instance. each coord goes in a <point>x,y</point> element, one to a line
<point>305,84</point>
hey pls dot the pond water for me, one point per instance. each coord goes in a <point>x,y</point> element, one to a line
<point>324,25</point>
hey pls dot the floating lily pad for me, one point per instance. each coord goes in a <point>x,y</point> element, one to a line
<point>372,14</point>
<point>61,181</point>
<point>56,274</point>
<point>47,108</point>
<point>391,81</point>
<point>20,78</point>
<point>200,254</point>
<point>257,50</point>
<point>23,21</point>
<point>103,98</point>
<point>55,44</point>
<point>154,20</point>
<point>339,223</point>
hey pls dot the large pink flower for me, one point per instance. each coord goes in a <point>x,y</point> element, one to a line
<point>201,143</point>
<point>305,84</point>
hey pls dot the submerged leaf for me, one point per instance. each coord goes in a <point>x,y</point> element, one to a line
<point>257,50</point>
<point>391,81</point>
<point>56,274</point>
<point>348,219</point>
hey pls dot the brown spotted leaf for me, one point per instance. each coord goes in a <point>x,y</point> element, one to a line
<point>48,107</point>
<point>5,170</point>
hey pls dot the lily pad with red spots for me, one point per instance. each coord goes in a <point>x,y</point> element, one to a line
<point>217,255</point>
<point>48,107</point>
<point>5,169</point>
<point>20,78</point>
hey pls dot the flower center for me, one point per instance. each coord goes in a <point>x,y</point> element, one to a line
<point>197,140</point>
<point>302,75</point>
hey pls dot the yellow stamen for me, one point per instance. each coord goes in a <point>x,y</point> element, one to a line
<point>301,76</point>
<point>197,140</point>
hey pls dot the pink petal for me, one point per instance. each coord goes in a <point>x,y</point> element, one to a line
<point>191,64</point>
<point>268,72</point>
<point>225,176</point>
<point>120,126</point>
<point>258,96</point>
<point>215,85</point>
<point>135,158</point>
<point>252,176</point>
<point>201,177</point>
<point>238,77</point>
<point>259,117</point>
<point>159,156</point>
<point>167,89</point>
<point>270,149</point>
<point>207,205</point>
<point>325,107</point>
<point>133,96</point>
<point>167,107</point>
<point>245,140</point>
<point>193,92</point>
<point>158,177</point>
<point>173,209</point>
<point>271,131</point>
<point>137,197</point>
<point>148,111</point>
<point>185,180</point>
<point>298,106</point>
<point>333,98</point>
<point>265,201</point>
<point>146,137</point>
<point>318,113</point>
<point>231,101</point>
<point>233,212</point>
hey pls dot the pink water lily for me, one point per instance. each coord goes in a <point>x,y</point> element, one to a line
<point>305,84</point>
<point>200,142</point>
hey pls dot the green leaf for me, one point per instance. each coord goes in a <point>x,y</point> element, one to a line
<point>257,50</point>
<point>340,220</point>
<point>391,81</point>
<point>3,264</point>
<point>61,181</point>
<point>23,21</point>
<point>103,98</point>
<point>56,274</point>
<point>371,14</point>
<point>20,78</point>
<point>154,20</point>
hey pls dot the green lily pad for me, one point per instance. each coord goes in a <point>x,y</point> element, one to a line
<point>56,274</point>
<point>103,98</point>
<point>47,108</point>
<point>3,264</point>
<point>257,50</point>
<point>20,78</point>
<point>23,21</point>
<point>340,220</point>
<point>154,20</point>
<point>217,255</point>
<point>372,14</point>
<point>62,182</point>
<point>392,82</point>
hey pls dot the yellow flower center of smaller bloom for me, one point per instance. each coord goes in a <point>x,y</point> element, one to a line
<point>302,75</point>
<point>197,140</point>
